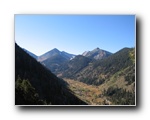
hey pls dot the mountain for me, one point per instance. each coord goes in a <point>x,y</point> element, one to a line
<point>98,71</point>
<point>70,68</point>
<point>102,70</point>
<point>97,54</point>
<point>48,54</point>
<point>66,55</point>
<point>36,85</point>
<point>54,62</point>
<point>55,52</point>
<point>31,54</point>
<point>54,58</point>
<point>114,77</point>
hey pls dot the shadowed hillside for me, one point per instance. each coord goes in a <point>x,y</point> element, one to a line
<point>35,85</point>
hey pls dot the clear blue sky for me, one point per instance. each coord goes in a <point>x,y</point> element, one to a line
<point>74,33</point>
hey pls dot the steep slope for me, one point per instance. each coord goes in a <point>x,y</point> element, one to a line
<point>35,85</point>
<point>55,52</point>
<point>99,71</point>
<point>66,55</point>
<point>114,76</point>
<point>48,54</point>
<point>97,54</point>
<point>54,58</point>
<point>31,54</point>
<point>54,62</point>
<point>70,68</point>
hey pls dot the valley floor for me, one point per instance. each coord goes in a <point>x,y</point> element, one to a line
<point>88,93</point>
<point>97,95</point>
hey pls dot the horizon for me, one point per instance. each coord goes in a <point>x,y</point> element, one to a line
<point>74,34</point>
<point>72,53</point>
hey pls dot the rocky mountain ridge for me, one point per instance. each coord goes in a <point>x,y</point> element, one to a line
<point>97,54</point>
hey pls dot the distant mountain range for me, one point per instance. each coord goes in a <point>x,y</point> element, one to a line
<point>54,58</point>
<point>91,71</point>
<point>91,67</point>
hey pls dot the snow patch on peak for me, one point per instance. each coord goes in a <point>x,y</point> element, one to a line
<point>72,57</point>
<point>85,53</point>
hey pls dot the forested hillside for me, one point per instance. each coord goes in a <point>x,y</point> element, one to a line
<point>114,76</point>
<point>96,72</point>
<point>71,68</point>
<point>36,85</point>
<point>107,81</point>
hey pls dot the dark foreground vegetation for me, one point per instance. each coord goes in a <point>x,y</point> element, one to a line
<point>36,85</point>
